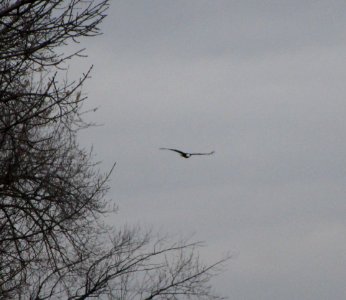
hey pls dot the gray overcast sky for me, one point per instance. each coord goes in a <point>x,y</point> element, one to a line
<point>263,84</point>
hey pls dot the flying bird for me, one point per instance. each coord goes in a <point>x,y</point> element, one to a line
<point>185,154</point>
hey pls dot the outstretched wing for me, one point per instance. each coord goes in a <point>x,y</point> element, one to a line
<point>175,150</point>
<point>209,153</point>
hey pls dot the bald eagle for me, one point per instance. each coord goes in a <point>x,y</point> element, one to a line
<point>185,154</point>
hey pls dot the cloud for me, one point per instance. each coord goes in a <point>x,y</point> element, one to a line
<point>262,84</point>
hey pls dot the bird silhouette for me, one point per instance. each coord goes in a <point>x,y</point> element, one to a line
<point>186,154</point>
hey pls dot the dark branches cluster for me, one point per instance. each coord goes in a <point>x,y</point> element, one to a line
<point>53,243</point>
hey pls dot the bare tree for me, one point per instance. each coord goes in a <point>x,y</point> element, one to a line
<point>53,243</point>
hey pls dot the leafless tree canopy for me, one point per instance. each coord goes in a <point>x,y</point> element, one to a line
<point>53,244</point>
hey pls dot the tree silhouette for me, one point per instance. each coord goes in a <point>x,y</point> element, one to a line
<point>53,243</point>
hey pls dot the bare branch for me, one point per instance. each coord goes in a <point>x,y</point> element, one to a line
<point>53,240</point>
